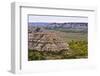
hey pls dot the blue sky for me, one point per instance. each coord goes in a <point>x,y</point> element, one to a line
<point>58,19</point>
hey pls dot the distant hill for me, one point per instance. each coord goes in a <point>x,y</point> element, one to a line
<point>70,25</point>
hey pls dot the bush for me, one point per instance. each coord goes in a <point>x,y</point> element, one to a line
<point>35,55</point>
<point>79,48</point>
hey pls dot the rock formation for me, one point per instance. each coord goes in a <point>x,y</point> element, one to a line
<point>41,39</point>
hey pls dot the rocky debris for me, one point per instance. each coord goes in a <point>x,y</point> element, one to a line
<point>41,39</point>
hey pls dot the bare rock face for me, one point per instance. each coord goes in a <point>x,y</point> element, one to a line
<point>44,40</point>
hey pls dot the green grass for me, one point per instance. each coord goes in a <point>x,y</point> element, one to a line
<point>74,36</point>
<point>68,35</point>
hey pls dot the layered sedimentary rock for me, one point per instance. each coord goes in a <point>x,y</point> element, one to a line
<point>44,40</point>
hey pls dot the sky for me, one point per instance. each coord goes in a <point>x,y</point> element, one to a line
<point>57,19</point>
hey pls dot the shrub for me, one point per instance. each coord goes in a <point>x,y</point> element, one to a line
<point>35,55</point>
<point>79,48</point>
